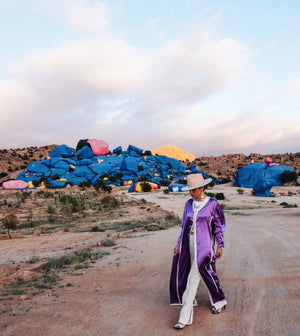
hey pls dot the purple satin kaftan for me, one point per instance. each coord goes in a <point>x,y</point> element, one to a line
<point>210,225</point>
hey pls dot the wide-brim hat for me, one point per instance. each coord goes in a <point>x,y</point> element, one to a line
<point>196,181</point>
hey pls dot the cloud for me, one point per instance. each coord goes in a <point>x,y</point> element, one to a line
<point>81,15</point>
<point>188,69</point>
<point>293,87</point>
<point>99,86</point>
<point>261,131</point>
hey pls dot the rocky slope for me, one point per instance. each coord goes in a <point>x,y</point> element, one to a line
<point>226,166</point>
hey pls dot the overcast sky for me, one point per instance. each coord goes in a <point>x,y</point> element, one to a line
<point>211,77</point>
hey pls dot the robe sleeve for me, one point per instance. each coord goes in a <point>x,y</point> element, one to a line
<point>219,225</point>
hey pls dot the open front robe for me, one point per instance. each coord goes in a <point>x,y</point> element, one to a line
<point>210,225</point>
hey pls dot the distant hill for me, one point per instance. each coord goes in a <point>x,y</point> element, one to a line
<point>174,152</point>
<point>13,161</point>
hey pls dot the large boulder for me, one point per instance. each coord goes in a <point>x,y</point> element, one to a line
<point>250,174</point>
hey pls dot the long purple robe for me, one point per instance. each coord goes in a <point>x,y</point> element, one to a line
<point>210,225</point>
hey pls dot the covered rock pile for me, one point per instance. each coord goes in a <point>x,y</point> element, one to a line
<point>263,176</point>
<point>92,162</point>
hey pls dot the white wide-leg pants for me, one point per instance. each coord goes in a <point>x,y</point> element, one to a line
<point>188,298</point>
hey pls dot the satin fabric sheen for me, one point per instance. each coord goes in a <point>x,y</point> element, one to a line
<point>209,231</point>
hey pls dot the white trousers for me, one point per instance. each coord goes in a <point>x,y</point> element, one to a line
<point>188,298</point>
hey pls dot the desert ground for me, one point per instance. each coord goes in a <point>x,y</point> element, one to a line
<point>126,292</point>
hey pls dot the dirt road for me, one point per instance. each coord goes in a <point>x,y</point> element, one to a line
<point>126,293</point>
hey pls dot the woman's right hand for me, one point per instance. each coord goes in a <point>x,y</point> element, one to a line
<point>176,249</point>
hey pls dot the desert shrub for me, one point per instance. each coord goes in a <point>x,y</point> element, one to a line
<point>84,184</point>
<point>35,183</point>
<point>50,209</point>
<point>109,202</point>
<point>225,180</point>
<point>97,229</point>
<point>164,183</point>
<point>143,179</point>
<point>107,242</point>
<point>287,205</point>
<point>26,194</point>
<point>72,204</point>
<point>146,187</point>
<point>33,259</point>
<point>44,193</point>
<point>153,227</point>
<point>112,178</point>
<point>240,191</point>
<point>10,222</point>
<point>3,174</point>
<point>166,191</point>
<point>218,196</point>
<point>288,176</point>
<point>53,263</point>
<point>101,185</point>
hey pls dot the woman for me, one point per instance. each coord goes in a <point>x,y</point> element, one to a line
<point>203,224</point>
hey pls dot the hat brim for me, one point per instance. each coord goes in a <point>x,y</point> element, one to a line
<point>205,182</point>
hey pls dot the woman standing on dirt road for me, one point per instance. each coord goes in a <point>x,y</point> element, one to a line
<point>203,224</point>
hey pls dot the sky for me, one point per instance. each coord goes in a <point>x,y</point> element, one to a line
<point>211,77</point>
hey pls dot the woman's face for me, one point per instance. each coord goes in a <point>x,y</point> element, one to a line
<point>196,193</point>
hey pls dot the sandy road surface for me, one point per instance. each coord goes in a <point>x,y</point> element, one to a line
<point>127,292</point>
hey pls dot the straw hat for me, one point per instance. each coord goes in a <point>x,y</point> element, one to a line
<point>195,181</point>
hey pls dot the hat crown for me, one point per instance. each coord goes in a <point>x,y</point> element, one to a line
<point>195,180</point>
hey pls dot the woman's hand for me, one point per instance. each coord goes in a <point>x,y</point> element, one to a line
<point>219,252</point>
<point>175,249</point>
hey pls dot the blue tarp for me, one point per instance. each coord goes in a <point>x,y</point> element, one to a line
<point>57,184</point>
<point>85,153</point>
<point>62,151</point>
<point>250,174</point>
<point>175,187</point>
<point>119,167</point>
<point>263,187</point>
<point>130,164</point>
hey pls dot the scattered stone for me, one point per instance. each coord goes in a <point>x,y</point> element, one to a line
<point>24,298</point>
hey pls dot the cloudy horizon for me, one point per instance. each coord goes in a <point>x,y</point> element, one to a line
<point>211,79</point>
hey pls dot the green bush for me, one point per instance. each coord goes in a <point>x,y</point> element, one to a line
<point>50,209</point>
<point>164,183</point>
<point>75,204</point>
<point>84,184</point>
<point>218,196</point>
<point>10,222</point>
<point>108,242</point>
<point>288,176</point>
<point>146,187</point>
<point>109,202</point>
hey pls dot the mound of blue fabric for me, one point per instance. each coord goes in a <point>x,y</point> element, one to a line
<point>65,165</point>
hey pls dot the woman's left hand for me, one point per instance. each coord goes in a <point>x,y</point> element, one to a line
<point>219,252</point>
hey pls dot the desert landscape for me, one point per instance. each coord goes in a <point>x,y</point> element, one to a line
<point>122,288</point>
<point>91,261</point>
